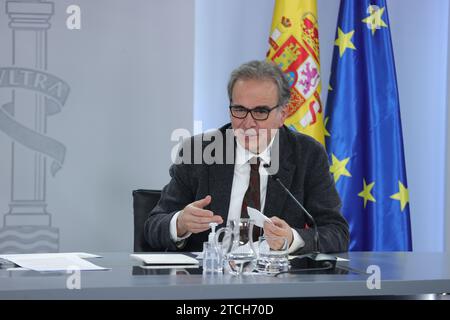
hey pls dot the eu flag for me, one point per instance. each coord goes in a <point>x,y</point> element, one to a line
<point>363,130</point>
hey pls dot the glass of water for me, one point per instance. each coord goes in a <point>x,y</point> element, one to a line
<point>273,256</point>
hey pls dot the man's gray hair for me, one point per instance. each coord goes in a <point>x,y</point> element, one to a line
<point>261,70</point>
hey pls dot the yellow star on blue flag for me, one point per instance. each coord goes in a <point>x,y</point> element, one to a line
<point>344,41</point>
<point>366,193</point>
<point>375,20</point>
<point>402,195</point>
<point>338,167</point>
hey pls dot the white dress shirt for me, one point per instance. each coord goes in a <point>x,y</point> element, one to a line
<point>241,179</point>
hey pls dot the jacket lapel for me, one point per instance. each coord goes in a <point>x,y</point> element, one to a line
<point>275,195</point>
<point>221,177</point>
<point>220,182</point>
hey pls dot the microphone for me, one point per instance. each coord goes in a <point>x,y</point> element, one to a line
<point>314,260</point>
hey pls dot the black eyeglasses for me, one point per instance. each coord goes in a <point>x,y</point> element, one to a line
<point>258,113</point>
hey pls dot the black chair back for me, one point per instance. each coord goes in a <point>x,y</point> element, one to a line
<point>143,202</point>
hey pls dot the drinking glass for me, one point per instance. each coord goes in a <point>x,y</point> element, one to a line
<point>273,255</point>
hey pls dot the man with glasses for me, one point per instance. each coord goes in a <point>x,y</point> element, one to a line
<point>201,193</point>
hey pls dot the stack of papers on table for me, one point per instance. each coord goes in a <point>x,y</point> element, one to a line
<point>53,261</point>
<point>166,259</point>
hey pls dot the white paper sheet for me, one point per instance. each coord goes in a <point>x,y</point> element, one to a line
<point>53,261</point>
<point>165,259</point>
<point>82,255</point>
<point>258,217</point>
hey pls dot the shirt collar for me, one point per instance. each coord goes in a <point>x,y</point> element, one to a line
<point>243,155</point>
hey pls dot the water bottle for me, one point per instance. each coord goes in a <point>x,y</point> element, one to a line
<point>212,257</point>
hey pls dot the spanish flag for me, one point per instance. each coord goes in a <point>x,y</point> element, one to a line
<point>294,47</point>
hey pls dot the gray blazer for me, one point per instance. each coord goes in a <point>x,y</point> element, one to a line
<point>303,169</point>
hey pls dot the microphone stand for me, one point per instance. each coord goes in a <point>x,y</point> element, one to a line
<point>314,260</point>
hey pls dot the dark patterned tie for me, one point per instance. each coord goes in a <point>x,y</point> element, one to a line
<point>252,196</point>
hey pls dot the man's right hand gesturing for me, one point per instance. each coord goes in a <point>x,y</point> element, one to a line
<point>193,218</point>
